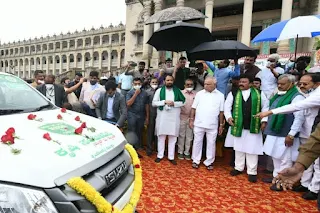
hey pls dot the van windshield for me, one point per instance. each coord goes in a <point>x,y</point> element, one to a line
<point>17,96</point>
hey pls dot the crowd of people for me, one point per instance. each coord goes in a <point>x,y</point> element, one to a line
<point>258,111</point>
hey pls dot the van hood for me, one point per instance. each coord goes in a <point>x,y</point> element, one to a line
<point>43,163</point>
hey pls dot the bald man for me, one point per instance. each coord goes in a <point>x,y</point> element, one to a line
<point>206,116</point>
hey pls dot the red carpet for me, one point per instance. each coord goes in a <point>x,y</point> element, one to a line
<point>182,189</point>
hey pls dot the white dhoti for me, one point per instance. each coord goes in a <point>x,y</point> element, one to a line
<point>211,135</point>
<point>171,146</point>
<point>247,148</point>
<point>167,124</point>
<point>282,156</point>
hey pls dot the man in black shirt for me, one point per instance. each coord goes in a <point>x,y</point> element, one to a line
<point>181,73</point>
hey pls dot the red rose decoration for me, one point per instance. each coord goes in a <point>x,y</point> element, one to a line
<point>84,125</point>
<point>32,117</point>
<point>78,131</point>
<point>137,166</point>
<point>59,117</point>
<point>47,136</point>
<point>63,110</point>
<point>77,118</point>
<point>7,139</point>
<point>10,131</point>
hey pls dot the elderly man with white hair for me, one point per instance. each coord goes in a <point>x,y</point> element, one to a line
<point>269,75</point>
<point>282,131</point>
<point>206,118</point>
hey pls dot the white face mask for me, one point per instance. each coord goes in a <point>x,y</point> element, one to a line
<point>189,89</point>
<point>154,86</point>
<point>282,92</point>
<point>137,87</point>
<point>40,82</point>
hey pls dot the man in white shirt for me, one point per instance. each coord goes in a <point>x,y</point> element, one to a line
<point>169,100</point>
<point>245,132</point>
<point>311,106</point>
<point>269,75</point>
<point>90,94</point>
<point>206,118</point>
<point>282,141</point>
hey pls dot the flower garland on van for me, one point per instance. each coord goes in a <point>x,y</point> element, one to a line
<point>103,206</point>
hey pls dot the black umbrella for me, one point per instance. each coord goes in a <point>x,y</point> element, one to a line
<point>179,37</point>
<point>217,50</point>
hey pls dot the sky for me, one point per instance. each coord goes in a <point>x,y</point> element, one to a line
<point>24,19</point>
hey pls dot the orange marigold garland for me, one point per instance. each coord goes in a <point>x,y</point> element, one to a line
<point>95,198</point>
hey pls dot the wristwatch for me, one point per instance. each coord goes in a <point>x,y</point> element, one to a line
<point>291,137</point>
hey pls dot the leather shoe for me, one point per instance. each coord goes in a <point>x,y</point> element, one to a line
<point>235,172</point>
<point>299,188</point>
<point>157,160</point>
<point>310,196</point>
<point>173,162</point>
<point>267,180</point>
<point>275,188</point>
<point>252,178</point>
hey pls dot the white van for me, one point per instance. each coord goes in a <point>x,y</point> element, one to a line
<point>34,180</point>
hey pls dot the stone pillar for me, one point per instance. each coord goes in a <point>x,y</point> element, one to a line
<point>29,74</point>
<point>209,14</point>
<point>100,60</point>
<point>180,3</point>
<point>146,33</point>
<point>286,11</point>
<point>110,39</point>
<point>155,54</point>
<point>119,58</point>
<point>83,62</point>
<point>54,65</point>
<point>47,60</point>
<point>68,62</point>
<point>61,64</point>
<point>109,60</point>
<point>246,22</point>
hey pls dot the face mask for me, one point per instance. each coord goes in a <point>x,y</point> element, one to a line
<point>137,87</point>
<point>282,92</point>
<point>290,64</point>
<point>93,82</point>
<point>40,82</point>
<point>189,89</point>
<point>154,86</point>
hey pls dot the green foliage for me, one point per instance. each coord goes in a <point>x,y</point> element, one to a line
<point>317,44</point>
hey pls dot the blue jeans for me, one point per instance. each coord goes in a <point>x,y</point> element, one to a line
<point>88,110</point>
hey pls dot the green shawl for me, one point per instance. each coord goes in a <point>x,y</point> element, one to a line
<point>255,124</point>
<point>278,120</point>
<point>178,96</point>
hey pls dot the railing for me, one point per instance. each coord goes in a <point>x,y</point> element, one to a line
<point>96,64</point>
<point>71,64</point>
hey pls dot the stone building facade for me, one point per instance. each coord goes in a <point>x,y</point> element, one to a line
<point>238,20</point>
<point>96,49</point>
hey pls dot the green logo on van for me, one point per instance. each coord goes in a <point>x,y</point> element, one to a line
<point>59,128</point>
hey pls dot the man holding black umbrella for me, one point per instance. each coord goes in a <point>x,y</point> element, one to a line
<point>181,73</point>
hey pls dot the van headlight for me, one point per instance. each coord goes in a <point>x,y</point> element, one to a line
<point>24,200</point>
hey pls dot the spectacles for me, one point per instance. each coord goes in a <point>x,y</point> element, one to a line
<point>189,85</point>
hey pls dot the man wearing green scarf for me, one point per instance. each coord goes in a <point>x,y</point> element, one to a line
<point>245,132</point>
<point>169,99</point>
<point>282,131</point>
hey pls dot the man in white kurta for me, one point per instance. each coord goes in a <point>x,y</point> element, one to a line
<point>282,140</point>
<point>269,75</point>
<point>310,181</point>
<point>206,118</point>
<point>249,145</point>
<point>169,101</point>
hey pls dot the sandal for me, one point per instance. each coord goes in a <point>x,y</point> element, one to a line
<point>195,166</point>
<point>210,167</point>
